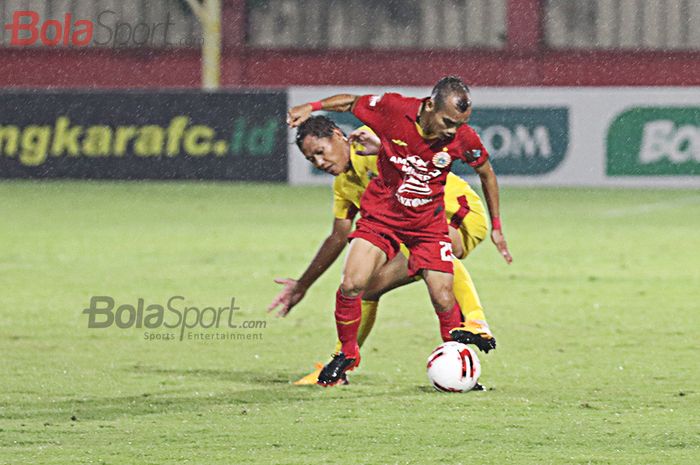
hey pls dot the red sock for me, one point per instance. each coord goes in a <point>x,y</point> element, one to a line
<point>449,320</point>
<point>348,313</point>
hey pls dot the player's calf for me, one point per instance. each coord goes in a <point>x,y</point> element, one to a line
<point>348,314</point>
<point>443,299</point>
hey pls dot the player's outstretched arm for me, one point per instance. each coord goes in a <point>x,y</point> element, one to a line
<point>489,184</point>
<point>300,113</point>
<point>294,290</point>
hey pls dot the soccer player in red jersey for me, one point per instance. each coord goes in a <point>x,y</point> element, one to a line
<point>404,203</point>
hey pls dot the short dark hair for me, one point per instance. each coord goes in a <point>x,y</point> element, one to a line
<point>448,86</point>
<point>319,126</point>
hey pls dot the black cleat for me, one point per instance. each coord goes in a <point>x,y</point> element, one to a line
<point>334,372</point>
<point>479,387</point>
<point>482,341</point>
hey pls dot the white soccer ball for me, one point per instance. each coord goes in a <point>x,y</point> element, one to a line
<point>453,367</point>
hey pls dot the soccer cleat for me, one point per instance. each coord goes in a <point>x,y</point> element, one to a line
<point>475,332</point>
<point>479,387</point>
<point>334,371</point>
<point>311,378</point>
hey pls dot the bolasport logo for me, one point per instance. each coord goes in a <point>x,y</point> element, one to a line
<point>28,29</point>
<point>180,321</point>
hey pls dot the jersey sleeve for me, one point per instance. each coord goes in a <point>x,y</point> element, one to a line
<point>475,154</point>
<point>343,208</point>
<point>375,110</point>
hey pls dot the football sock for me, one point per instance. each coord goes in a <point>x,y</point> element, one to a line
<point>348,313</point>
<point>466,295</point>
<point>369,315</point>
<point>449,320</point>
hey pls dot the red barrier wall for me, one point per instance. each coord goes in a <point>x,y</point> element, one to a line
<point>524,62</point>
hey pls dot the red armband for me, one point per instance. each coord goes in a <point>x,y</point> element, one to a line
<point>495,223</point>
<point>315,106</point>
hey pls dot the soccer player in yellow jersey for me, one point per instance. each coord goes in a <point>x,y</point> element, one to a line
<point>327,148</point>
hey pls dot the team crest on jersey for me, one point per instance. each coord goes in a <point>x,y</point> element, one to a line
<point>374,100</point>
<point>442,160</point>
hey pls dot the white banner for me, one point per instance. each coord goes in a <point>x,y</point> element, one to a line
<point>630,136</point>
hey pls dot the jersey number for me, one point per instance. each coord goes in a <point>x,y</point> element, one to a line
<point>446,251</point>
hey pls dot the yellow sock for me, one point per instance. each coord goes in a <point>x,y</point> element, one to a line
<point>369,315</point>
<point>466,295</point>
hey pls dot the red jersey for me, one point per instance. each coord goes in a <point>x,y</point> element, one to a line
<point>408,192</point>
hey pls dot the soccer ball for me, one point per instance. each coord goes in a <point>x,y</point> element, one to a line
<point>453,367</point>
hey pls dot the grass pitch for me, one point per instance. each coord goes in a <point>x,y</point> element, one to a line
<point>597,322</point>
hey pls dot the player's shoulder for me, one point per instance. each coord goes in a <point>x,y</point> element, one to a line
<point>470,145</point>
<point>362,166</point>
<point>468,136</point>
<point>402,100</point>
<point>388,97</point>
<point>393,100</point>
<point>467,131</point>
<point>456,187</point>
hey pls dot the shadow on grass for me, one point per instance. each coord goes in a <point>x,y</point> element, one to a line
<point>234,376</point>
<point>189,396</point>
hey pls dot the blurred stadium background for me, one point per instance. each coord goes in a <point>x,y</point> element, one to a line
<point>332,42</point>
<point>607,70</point>
<point>590,108</point>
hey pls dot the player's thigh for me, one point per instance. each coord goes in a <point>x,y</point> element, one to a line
<point>361,262</point>
<point>440,288</point>
<point>391,275</point>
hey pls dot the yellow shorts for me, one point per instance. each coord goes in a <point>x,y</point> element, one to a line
<point>466,211</point>
<point>474,227</point>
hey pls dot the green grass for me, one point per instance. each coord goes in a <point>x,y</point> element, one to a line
<point>597,322</point>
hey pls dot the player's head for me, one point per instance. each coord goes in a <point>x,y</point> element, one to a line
<point>324,145</point>
<point>448,107</point>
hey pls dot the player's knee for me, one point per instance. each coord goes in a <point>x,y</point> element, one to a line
<point>351,286</point>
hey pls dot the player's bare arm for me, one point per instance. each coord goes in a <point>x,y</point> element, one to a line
<point>339,103</point>
<point>294,290</point>
<point>489,185</point>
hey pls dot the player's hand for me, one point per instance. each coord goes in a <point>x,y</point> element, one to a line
<point>299,114</point>
<point>370,141</point>
<point>500,241</point>
<point>290,295</point>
